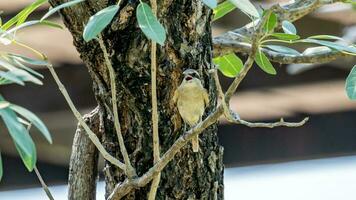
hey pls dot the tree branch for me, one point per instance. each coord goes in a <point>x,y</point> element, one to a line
<point>83,167</point>
<point>155,133</point>
<point>130,171</point>
<point>233,42</point>
<point>271,125</point>
<point>38,174</point>
<point>43,183</point>
<point>224,46</point>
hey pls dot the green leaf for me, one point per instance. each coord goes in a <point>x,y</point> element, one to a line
<point>24,122</point>
<point>51,24</point>
<point>30,23</point>
<point>332,45</point>
<point>21,74</point>
<point>351,84</point>
<point>271,22</point>
<point>29,10</point>
<point>285,36</point>
<point>11,77</point>
<point>20,136</point>
<point>34,120</point>
<point>24,25</point>
<point>22,16</point>
<point>7,65</point>
<point>1,169</point>
<point>99,21</point>
<point>149,24</point>
<point>283,49</point>
<point>263,62</point>
<point>29,160</point>
<point>247,7</point>
<point>210,3</point>
<point>325,37</point>
<point>6,39</point>
<point>25,76</point>
<point>316,51</point>
<point>230,65</point>
<point>28,69</point>
<point>28,60</point>
<point>4,104</point>
<point>223,9</point>
<point>57,8</point>
<point>288,27</point>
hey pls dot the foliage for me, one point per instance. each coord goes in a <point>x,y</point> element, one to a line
<point>230,65</point>
<point>222,9</point>
<point>246,7</point>
<point>149,24</point>
<point>263,62</point>
<point>99,21</point>
<point>15,69</point>
<point>274,40</point>
<point>351,84</point>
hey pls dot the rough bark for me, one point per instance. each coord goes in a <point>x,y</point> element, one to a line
<point>189,45</point>
<point>83,170</point>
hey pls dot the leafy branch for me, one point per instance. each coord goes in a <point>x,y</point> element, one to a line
<point>234,41</point>
<point>270,49</point>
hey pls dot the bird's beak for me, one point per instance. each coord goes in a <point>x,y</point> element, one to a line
<point>188,78</point>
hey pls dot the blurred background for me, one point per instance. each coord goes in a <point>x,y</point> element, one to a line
<point>273,161</point>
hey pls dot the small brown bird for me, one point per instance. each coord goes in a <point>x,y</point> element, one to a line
<point>191,99</point>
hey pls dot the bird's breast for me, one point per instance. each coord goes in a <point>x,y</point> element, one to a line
<point>191,104</point>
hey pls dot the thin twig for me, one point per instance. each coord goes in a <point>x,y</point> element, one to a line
<point>130,171</point>
<point>38,174</point>
<point>44,186</point>
<point>221,94</point>
<point>272,125</point>
<point>155,133</point>
<point>79,117</point>
<point>232,117</point>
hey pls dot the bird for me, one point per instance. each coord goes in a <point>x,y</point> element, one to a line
<point>191,98</point>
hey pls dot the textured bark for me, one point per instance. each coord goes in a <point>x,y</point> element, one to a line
<point>83,170</point>
<point>187,22</point>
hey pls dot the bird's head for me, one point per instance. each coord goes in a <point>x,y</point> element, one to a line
<point>191,75</point>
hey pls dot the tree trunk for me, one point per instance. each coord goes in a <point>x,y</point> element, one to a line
<point>189,45</point>
<point>83,169</point>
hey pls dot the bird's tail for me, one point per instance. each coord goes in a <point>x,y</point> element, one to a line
<point>195,143</point>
